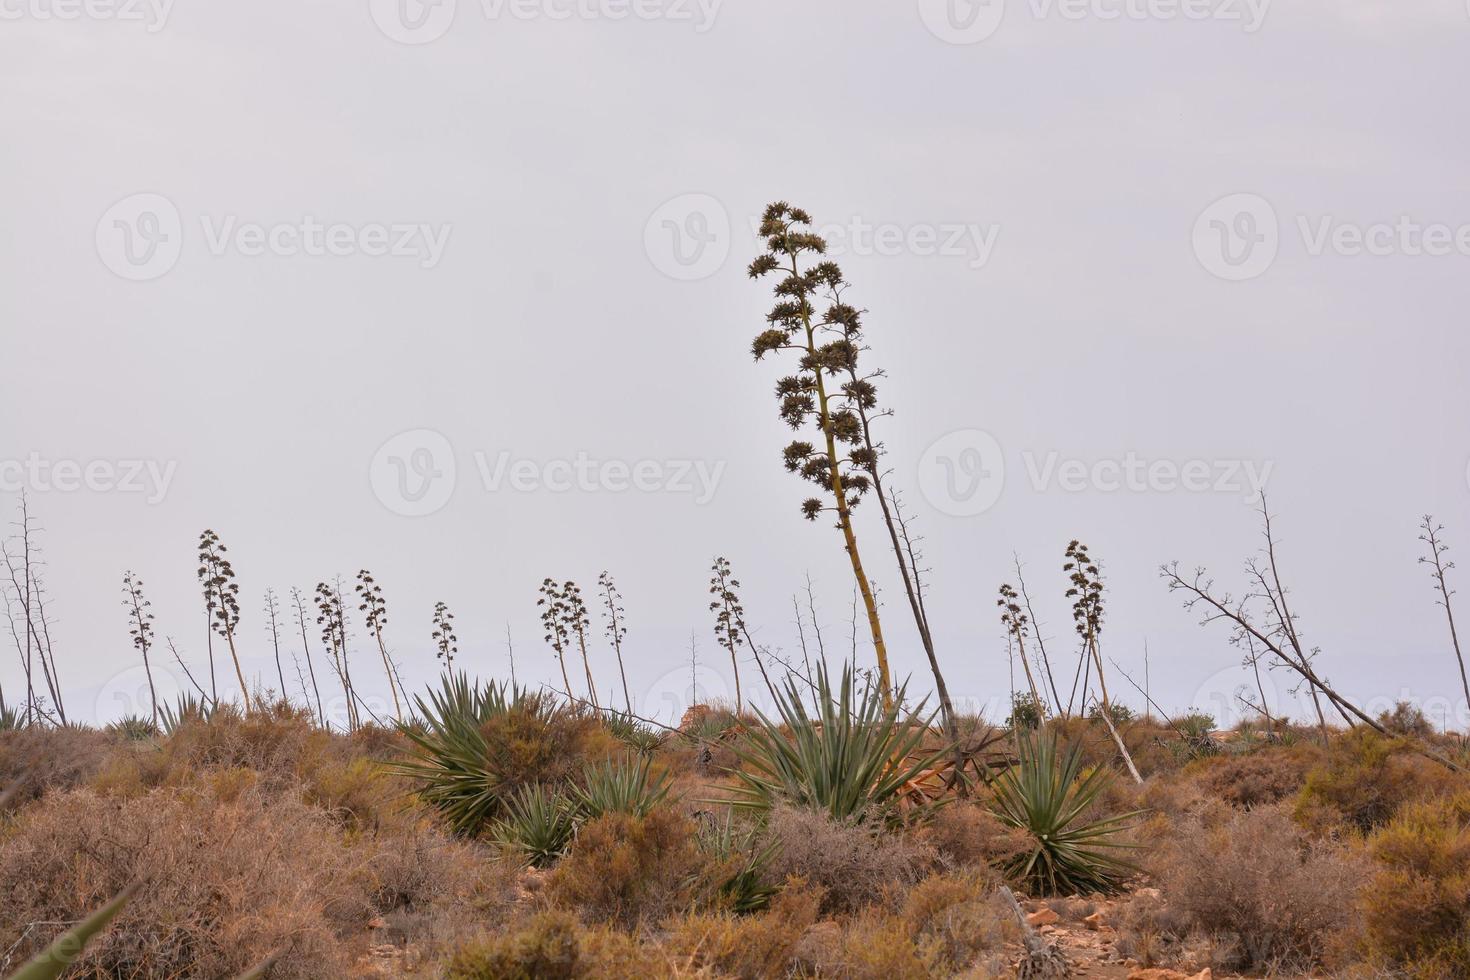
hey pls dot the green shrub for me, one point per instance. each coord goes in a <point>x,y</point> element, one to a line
<point>1416,905</point>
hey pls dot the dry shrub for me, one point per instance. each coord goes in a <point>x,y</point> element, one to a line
<point>1416,904</point>
<point>855,864</point>
<point>625,869</point>
<point>969,835</point>
<point>958,917</point>
<point>39,760</point>
<point>554,946</point>
<point>432,889</point>
<point>531,743</point>
<point>876,945</point>
<point>228,881</point>
<point>1365,779</point>
<point>1258,881</point>
<point>749,947</point>
<point>1245,781</point>
<point>1149,931</point>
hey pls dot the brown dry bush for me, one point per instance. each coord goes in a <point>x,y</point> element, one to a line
<point>555,946</point>
<point>1257,880</point>
<point>432,889</point>
<point>624,869</point>
<point>1416,904</point>
<point>958,917</point>
<point>229,879</point>
<point>967,834</point>
<point>855,864</point>
<point>1268,775</point>
<point>749,947</point>
<point>39,760</point>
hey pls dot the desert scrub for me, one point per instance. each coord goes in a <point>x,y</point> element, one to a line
<point>1277,897</point>
<point>958,917</point>
<point>749,947</point>
<point>969,835</point>
<point>1364,779</point>
<point>625,869</point>
<point>1416,903</point>
<point>856,864</point>
<point>554,946</point>
<point>226,883</point>
<point>1268,775</point>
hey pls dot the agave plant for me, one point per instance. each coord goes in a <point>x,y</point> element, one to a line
<point>620,786</point>
<point>632,732</point>
<point>851,758</point>
<point>538,824</point>
<point>746,887</point>
<point>450,756</point>
<point>187,708</point>
<point>1046,794</point>
<point>134,728</point>
<point>9,717</point>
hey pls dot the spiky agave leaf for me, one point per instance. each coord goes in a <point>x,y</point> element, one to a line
<point>1046,794</point>
<point>53,961</point>
<point>538,824</point>
<point>745,887</point>
<point>619,786</point>
<point>851,758</point>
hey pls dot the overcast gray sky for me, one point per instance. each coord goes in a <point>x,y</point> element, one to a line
<point>456,293</point>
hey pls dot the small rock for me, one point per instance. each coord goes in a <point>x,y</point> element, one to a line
<point>1045,917</point>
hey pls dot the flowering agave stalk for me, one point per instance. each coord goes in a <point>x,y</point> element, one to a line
<point>141,627</point>
<point>375,610</point>
<point>825,352</point>
<point>221,601</point>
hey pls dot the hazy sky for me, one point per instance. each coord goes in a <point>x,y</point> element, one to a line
<point>458,296</point>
